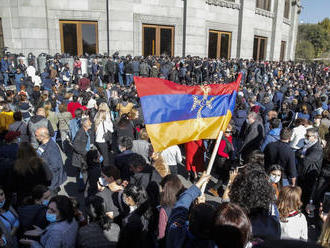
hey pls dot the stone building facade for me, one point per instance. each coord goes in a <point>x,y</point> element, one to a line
<point>263,29</point>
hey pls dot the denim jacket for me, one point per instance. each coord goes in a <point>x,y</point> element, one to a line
<point>177,233</point>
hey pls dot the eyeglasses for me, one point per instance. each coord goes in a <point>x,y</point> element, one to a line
<point>228,131</point>
<point>307,136</point>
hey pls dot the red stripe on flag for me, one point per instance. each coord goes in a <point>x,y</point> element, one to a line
<point>157,86</point>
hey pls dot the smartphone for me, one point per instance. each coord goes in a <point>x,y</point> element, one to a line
<point>326,202</point>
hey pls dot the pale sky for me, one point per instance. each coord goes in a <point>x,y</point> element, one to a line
<point>314,11</point>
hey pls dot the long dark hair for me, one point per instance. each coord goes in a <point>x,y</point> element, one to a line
<point>138,194</point>
<point>97,212</point>
<point>172,187</point>
<point>25,153</point>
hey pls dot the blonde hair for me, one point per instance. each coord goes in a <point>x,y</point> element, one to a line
<point>100,116</point>
<point>289,200</point>
<point>324,239</point>
<point>103,106</point>
<point>160,166</point>
<point>47,107</point>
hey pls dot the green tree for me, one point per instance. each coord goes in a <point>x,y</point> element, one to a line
<point>305,50</point>
<point>317,34</point>
<point>325,24</point>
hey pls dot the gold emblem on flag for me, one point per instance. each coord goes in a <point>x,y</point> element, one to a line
<point>201,103</point>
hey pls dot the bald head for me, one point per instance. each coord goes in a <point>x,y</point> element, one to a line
<point>42,135</point>
<point>41,111</point>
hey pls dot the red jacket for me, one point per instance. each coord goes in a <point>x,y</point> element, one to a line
<point>222,151</point>
<point>72,106</point>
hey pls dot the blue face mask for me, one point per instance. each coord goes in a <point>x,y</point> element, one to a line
<point>45,202</point>
<point>101,159</point>
<point>4,241</point>
<point>51,217</point>
<point>2,203</point>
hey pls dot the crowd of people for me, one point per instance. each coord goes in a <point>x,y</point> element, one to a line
<point>269,179</point>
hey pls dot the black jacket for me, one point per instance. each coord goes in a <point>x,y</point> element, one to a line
<point>313,159</point>
<point>32,215</point>
<point>252,136</point>
<point>79,149</point>
<point>145,177</point>
<point>281,153</point>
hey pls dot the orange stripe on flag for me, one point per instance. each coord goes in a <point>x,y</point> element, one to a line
<point>167,134</point>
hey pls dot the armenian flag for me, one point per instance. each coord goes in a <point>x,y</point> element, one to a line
<point>176,114</point>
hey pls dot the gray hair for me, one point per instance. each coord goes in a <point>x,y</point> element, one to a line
<point>84,120</point>
<point>313,131</point>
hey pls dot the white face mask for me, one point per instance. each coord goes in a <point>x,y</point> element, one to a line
<point>274,179</point>
<point>103,182</point>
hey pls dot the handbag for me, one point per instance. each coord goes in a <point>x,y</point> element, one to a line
<point>107,136</point>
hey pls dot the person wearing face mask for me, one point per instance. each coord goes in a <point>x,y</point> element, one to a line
<point>82,143</point>
<point>310,162</point>
<point>33,211</point>
<point>275,174</point>
<point>279,152</point>
<point>110,190</point>
<point>9,222</point>
<point>63,227</point>
<point>135,226</point>
<point>49,151</point>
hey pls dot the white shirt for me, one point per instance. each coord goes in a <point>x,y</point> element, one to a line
<point>91,103</point>
<point>172,155</point>
<point>36,80</point>
<point>31,71</point>
<point>100,131</point>
<point>298,137</point>
<point>295,228</point>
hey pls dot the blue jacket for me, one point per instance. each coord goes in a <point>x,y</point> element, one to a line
<point>121,67</point>
<point>51,154</point>
<point>47,83</point>
<point>239,117</point>
<point>278,98</point>
<point>272,136</point>
<point>4,65</point>
<point>136,66</point>
<point>18,78</point>
<point>177,232</point>
<point>95,68</point>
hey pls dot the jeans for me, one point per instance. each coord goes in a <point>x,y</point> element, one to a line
<point>173,169</point>
<point>18,86</point>
<point>104,150</point>
<point>285,182</point>
<point>129,79</point>
<point>120,79</point>
<point>5,78</point>
<point>54,137</point>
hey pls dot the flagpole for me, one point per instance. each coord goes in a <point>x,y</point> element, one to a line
<point>211,162</point>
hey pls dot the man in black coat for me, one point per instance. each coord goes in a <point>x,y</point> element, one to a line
<point>280,152</point>
<point>82,143</point>
<point>110,70</point>
<point>144,176</point>
<point>251,135</point>
<point>310,164</point>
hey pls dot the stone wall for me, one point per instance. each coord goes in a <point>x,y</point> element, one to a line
<point>33,25</point>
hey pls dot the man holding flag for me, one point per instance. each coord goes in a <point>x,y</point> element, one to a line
<point>176,114</point>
